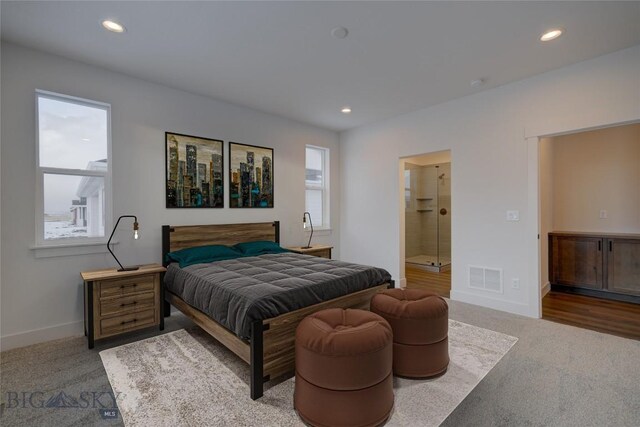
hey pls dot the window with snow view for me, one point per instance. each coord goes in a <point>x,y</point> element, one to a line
<point>73,169</point>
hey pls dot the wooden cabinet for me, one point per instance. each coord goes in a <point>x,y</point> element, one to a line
<point>623,265</point>
<point>317,250</point>
<point>121,301</point>
<point>576,261</point>
<point>605,265</point>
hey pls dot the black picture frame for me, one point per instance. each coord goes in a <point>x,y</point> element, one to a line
<point>259,193</point>
<point>206,193</point>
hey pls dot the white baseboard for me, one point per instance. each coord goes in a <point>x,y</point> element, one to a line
<point>36,336</point>
<point>546,288</point>
<point>403,283</point>
<point>496,304</point>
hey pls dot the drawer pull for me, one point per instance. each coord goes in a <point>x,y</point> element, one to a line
<point>128,286</point>
<point>128,321</point>
<point>126,305</point>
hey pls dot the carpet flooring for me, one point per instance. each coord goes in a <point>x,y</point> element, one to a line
<point>555,375</point>
<point>185,378</point>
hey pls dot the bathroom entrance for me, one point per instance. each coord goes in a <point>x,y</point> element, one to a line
<point>427,221</point>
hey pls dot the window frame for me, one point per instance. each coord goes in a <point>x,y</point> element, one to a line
<point>325,187</point>
<point>41,171</point>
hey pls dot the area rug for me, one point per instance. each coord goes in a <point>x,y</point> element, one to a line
<point>186,378</point>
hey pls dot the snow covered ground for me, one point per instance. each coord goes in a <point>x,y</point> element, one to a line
<point>62,230</point>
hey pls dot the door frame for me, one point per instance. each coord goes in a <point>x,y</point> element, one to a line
<point>534,206</point>
<point>401,210</point>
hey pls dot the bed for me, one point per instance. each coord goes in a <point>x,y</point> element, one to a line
<point>257,321</point>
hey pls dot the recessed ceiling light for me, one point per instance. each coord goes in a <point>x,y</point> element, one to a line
<point>550,35</point>
<point>339,32</point>
<point>346,110</point>
<point>113,26</point>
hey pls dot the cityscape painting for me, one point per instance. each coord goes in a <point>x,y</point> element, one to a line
<point>194,172</point>
<point>251,176</point>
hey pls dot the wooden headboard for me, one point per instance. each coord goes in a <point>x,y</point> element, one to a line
<point>179,237</point>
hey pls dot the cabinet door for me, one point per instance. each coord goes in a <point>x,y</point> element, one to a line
<point>623,266</point>
<point>576,261</point>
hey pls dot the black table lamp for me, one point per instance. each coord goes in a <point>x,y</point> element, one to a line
<point>135,236</point>
<point>304,222</point>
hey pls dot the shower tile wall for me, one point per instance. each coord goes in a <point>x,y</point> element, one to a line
<point>413,225</point>
<point>427,189</point>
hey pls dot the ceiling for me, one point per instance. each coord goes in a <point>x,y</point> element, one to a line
<point>280,57</point>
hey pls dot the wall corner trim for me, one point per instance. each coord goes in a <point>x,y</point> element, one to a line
<point>496,304</point>
<point>36,336</point>
<point>546,288</point>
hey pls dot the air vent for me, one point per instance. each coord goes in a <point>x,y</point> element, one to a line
<point>486,279</point>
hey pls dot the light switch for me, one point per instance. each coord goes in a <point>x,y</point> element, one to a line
<point>513,215</point>
<point>603,214</point>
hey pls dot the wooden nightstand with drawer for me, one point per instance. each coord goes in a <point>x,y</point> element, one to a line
<point>116,302</point>
<point>321,251</point>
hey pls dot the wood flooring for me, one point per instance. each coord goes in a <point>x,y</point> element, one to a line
<point>611,317</point>
<point>418,278</point>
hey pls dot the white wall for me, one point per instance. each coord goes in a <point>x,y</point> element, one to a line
<point>487,134</point>
<point>593,171</point>
<point>430,158</point>
<point>42,297</point>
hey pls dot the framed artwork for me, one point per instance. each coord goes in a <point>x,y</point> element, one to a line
<point>194,171</point>
<point>250,176</point>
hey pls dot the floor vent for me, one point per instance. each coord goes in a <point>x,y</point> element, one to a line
<point>486,279</point>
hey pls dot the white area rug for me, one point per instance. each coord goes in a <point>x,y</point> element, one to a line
<point>186,378</point>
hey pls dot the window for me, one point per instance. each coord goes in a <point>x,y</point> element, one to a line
<point>317,185</point>
<point>73,170</point>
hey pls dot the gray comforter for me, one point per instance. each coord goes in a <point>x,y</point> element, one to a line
<point>236,292</point>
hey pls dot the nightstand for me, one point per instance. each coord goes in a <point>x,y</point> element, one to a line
<point>116,302</point>
<point>316,250</point>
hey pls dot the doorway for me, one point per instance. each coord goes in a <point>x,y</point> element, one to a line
<point>589,222</point>
<point>426,210</point>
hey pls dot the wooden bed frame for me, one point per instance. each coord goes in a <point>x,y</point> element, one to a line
<point>270,351</point>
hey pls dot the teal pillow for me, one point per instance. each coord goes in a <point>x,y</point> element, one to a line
<point>202,254</point>
<point>261,247</point>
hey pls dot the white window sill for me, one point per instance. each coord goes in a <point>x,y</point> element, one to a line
<point>70,249</point>
<point>319,231</point>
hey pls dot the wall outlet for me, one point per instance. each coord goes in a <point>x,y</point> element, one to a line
<point>515,283</point>
<point>513,215</point>
<point>603,214</point>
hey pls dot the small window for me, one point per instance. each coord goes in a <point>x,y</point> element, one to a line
<point>73,181</point>
<point>317,185</point>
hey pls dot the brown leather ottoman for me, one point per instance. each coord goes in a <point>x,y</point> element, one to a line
<point>420,323</point>
<point>344,369</point>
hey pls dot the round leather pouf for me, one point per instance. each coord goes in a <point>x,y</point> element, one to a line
<point>420,323</point>
<point>344,369</point>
